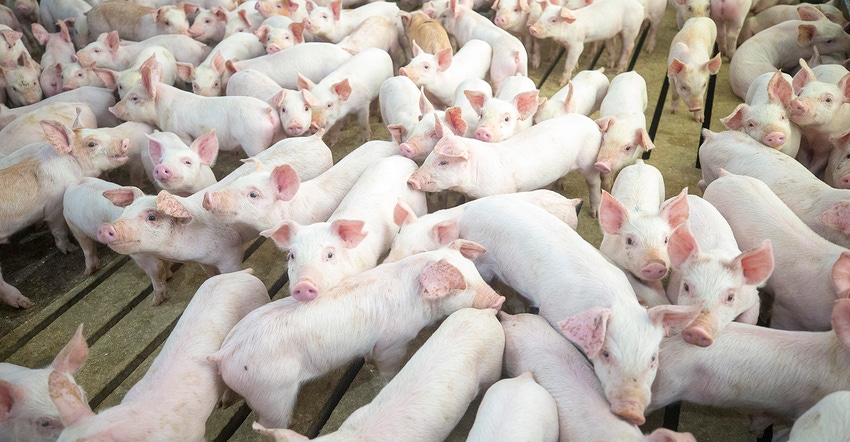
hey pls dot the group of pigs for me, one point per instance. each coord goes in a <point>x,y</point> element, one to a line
<point>290,72</point>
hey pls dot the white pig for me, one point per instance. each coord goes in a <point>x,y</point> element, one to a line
<point>583,94</point>
<point>21,83</point>
<point>166,67</point>
<point>332,23</point>
<point>509,112</point>
<point>515,409</point>
<point>295,110</point>
<point>826,421</point>
<point>780,13</point>
<point>206,79</point>
<point>279,32</point>
<point>252,83</point>
<point>686,9</point>
<point>98,100</point>
<point>837,172</point>
<point>181,388</point>
<point>513,16</point>
<point>108,51</point>
<point>58,48</point>
<point>27,129</point>
<point>208,25</point>
<point>12,47</point>
<point>441,73</point>
<point>689,64</point>
<point>399,102</point>
<point>180,169</point>
<point>403,297</point>
<point>462,100</point>
<point>28,412</point>
<point>135,22</point>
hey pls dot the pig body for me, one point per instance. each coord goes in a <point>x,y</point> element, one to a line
<point>686,9</point>
<point>22,83</point>
<point>313,60</point>
<point>107,52</point>
<point>58,48</point>
<point>52,11</point>
<point>837,172</point>
<point>461,358</point>
<point>441,73</point>
<point>582,95</point>
<point>509,112</point>
<point>623,125</point>
<point>216,307</point>
<point>135,22</point>
<point>417,289</point>
<point>689,64</point>
<point>426,32</point>
<point>375,32</point>
<point>354,236</point>
<point>765,116</point>
<point>29,414</point>
<point>206,79</point>
<point>332,23</point>
<point>280,32</point>
<point>711,271</point>
<point>98,99</point>
<point>472,164</point>
<point>244,122</point>
<point>166,65</point>
<point>516,408</point>
<point>513,16</point>
<point>178,168</point>
<point>572,29</point>
<point>532,345</point>
<point>399,102</point>
<point>798,251</point>
<point>27,129</point>
<point>826,420</point>
<point>252,83</point>
<point>808,368</point>
<point>780,13</point>
<point>12,48</point>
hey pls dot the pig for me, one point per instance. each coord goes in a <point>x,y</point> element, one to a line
<point>107,52</point>
<point>826,420</point>
<point>509,112</point>
<point>313,60</point>
<point>427,33</point>
<point>267,197</point>
<point>136,22</point>
<point>278,33</point>
<point>136,133</point>
<point>421,142</point>
<point>97,99</point>
<point>354,236</point>
<point>820,111</point>
<point>819,206</point>
<point>469,166</point>
<point>28,412</point>
<point>780,13</point>
<point>421,289</point>
<point>28,129</point>
<point>623,125</point>
<point>587,298</point>
<point>463,356</point>
<point>686,9</point>
<point>180,169</point>
<point>21,83</point>
<point>837,172</point>
<point>7,18</point>
<point>332,23</point>
<point>716,371</point>
<point>77,74</point>
<point>399,102</point>
<point>375,32</point>
<point>245,18</point>
<point>252,83</point>
<point>513,16</point>
<point>208,25</point>
<point>711,271</point>
<point>516,408</point>
<point>765,117</point>
<point>471,116</point>
<point>206,79</point>
<point>798,250</point>
<point>636,225</point>
<point>572,29</point>
<point>58,49</point>
<point>244,122</point>
<point>348,90</point>
<point>53,13</point>
<point>269,8</point>
<point>690,63</point>
<point>12,48</point>
<point>583,94</point>
<point>781,47</point>
<point>180,390</point>
<point>532,345</point>
<point>295,110</point>
<point>441,73</point>
<point>127,79</point>
<point>432,231</point>
<point>34,185</point>
<point>12,296</point>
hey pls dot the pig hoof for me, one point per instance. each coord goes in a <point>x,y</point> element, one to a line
<point>158,298</point>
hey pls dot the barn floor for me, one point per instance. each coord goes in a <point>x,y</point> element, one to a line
<point>125,332</point>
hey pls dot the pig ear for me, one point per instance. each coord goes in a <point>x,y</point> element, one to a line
<point>336,8</point>
<point>452,149</point>
<point>642,139</point>
<point>756,263</point>
<point>837,216</point>
<point>281,434</point>
<point>10,395</point>
<point>148,80</point>
<point>171,206</point>
<point>40,33</point>
<point>155,148</point>
<point>806,34</point>
<point>286,181</point>
<point>841,274</point>
<point>809,13</point>
<point>469,249</point>
<point>207,147</point>
<point>714,64</point>
<point>664,434</point>
<point>108,77</point>
<point>63,29</point>
<point>612,214</point>
<point>735,120</point>
<point>681,245</point>
<point>779,91</point>
<point>438,127</point>
<point>113,41</point>
<point>311,99</point>
<point>567,15</point>
<point>676,211</point>
<point>123,196</point>
<point>297,28</point>
<point>218,63</point>
<point>416,49</point>
<point>350,230</point>
<point>220,13</point>
<point>673,317</point>
<point>425,106</point>
<point>403,214</point>
<point>476,99</point>
<point>455,121</point>
<point>587,329</point>
<point>439,279</point>
<point>398,132</point>
<point>10,36</point>
<point>304,83</point>
<point>343,89</point>
<point>230,67</point>
<point>282,234</point>
<point>188,8</point>
<point>605,122</point>
<point>803,77</point>
<point>310,6</point>
<point>262,33</point>
<point>58,135</point>
<point>444,59</point>
<point>844,85</point>
<point>526,103</point>
<point>445,231</point>
<point>73,355</point>
<point>841,320</point>
<point>67,398</point>
<point>675,67</point>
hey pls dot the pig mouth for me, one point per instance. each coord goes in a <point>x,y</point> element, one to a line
<point>118,158</point>
<point>124,247</point>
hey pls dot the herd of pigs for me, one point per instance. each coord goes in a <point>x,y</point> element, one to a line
<point>369,267</point>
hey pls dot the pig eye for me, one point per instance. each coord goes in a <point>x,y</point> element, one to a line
<point>207,21</point>
<point>283,110</point>
<point>215,84</point>
<point>134,98</point>
<point>507,119</point>
<point>654,357</point>
<point>605,354</point>
<point>167,23</point>
<point>47,422</point>
<point>829,41</point>
<point>330,255</point>
<point>291,256</point>
<point>828,99</point>
<point>92,143</point>
<point>187,162</point>
<point>306,108</point>
<point>96,50</point>
<point>628,148</point>
<point>630,241</point>
<point>151,217</point>
<point>666,238</point>
<point>254,195</point>
<point>730,298</point>
<point>686,287</point>
<point>444,162</point>
<point>848,156</point>
<point>426,66</point>
<point>751,124</point>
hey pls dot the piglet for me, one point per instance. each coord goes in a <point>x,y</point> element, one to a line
<point>399,101</point>
<point>826,421</point>
<point>509,112</point>
<point>427,33</point>
<point>98,100</point>
<point>22,82</point>
<point>780,13</point>
<point>279,32</point>
<point>686,9</point>
<point>689,64</point>
<point>12,47</point>
<point>181,388</point>
<point>403,297</point>
<point>332,23</point>
<point>26,130</point>
<point>165,66</point>
<point>180,169</point>
<point>206,79</point>
<point>314,60</point>
<point>583,94</point>
<point>109,52</point>
<point>28,414</point>
<point>441,73</point>
<point>516,408</point>
<point>135,22</point>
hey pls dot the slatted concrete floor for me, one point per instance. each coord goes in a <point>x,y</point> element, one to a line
<point>125,332</point>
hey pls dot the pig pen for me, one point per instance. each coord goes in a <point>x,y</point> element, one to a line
<point>125,333</point>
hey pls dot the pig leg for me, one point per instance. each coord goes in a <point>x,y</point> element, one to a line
<point>674,96</point>
<point>57,226</point>
<point>628,39</point>
<point>733,28</point>
<point>365,127</point>
<point>12,296</point>
<point>210,270</point>
<point>594,190</point>
<point>335,132</point>
<point>158,271</point>
<point>574,51</point>
<point>89,247</point>
<point>388,358</point>
<point>611,50</point>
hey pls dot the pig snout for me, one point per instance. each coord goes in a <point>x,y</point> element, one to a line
<point>774,139</point>
<point>654,270</point>
<point>407,150</point>
<point>294,130</point>
<point>213,202</point>
<point>603,166</point>
<point>500,20</point>
<point>483,134</point>
<point>535,30</point>
<point>308,24</point>
<point>488,298</point>
<point>304,290</point>
<point>23,9</point>
<point>162,173</point>
<point>844,182</point>
<point>106,233</point>
<point>700,332</point>
<point>632,412</point>
<point>271,49</point>
<point>798,107</point>
<point>119,110</point>
<point>417,180</point>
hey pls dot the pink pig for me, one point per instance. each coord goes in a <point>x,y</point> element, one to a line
<point>441,73</point>
<point>135,22</point>
<point>109,52</point>
<point>689,64</point>
<point>180,169</point>
<point>98,100</point>
<point>582,95</point>
<point>838,167</point>
<point>509,112</point>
